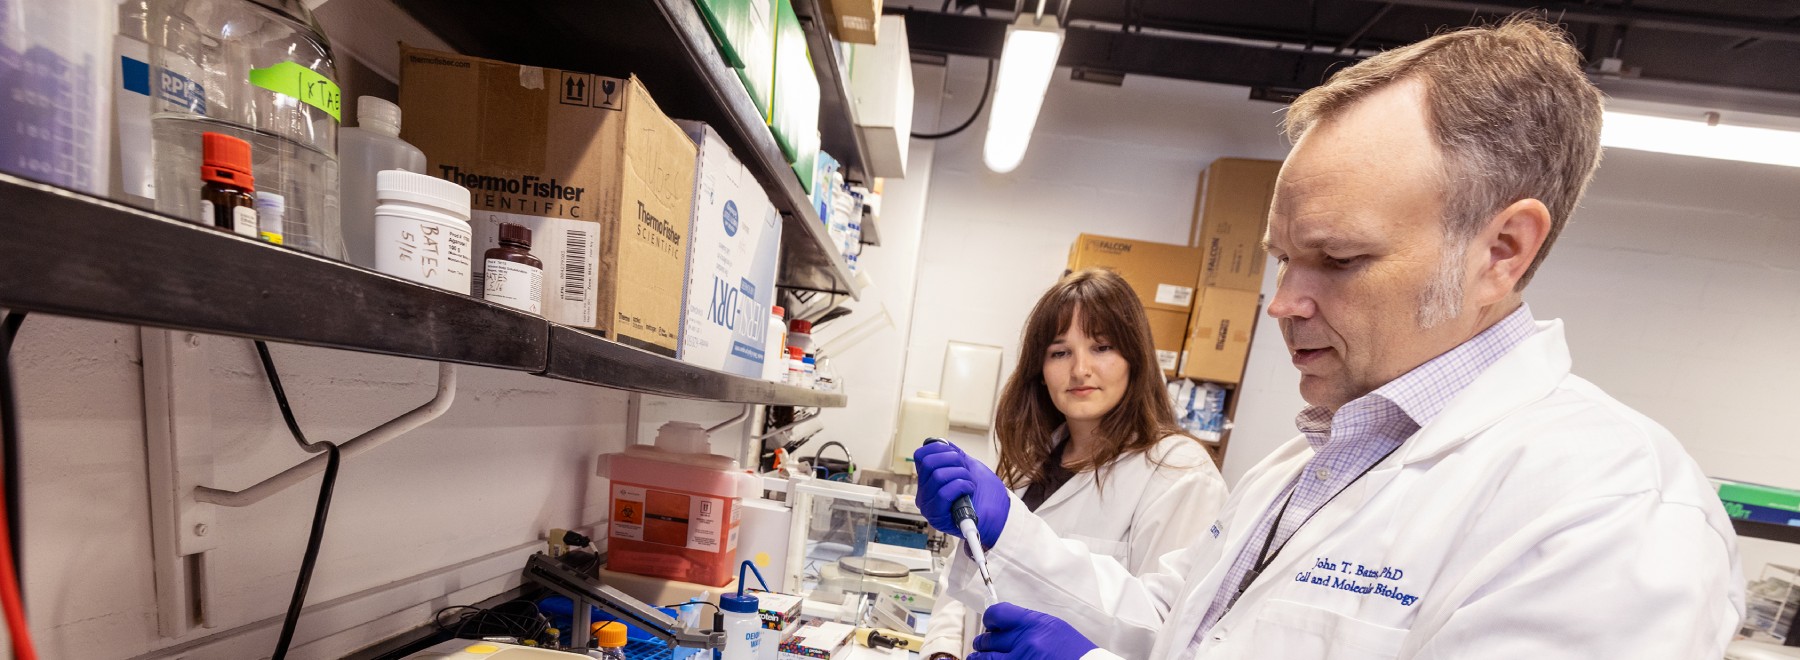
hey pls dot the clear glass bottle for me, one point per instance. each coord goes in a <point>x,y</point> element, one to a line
<point>261,71</point>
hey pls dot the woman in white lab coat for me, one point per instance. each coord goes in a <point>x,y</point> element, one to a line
<point>1088,440</point>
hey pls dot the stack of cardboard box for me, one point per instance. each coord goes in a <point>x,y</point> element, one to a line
<point>1230,214</point>
<point>1202,298</point>
<point>1162,275</point>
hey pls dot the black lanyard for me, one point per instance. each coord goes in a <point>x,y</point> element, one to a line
<point>1263,557</point>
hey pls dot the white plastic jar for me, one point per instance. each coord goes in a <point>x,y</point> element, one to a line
<point>422,230</point>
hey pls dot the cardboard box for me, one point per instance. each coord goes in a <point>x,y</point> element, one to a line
<point>1163,275</point>
<point>1168,330</point>
<point>778,612</point>
<point>881,88</point>
<point>823,640</point>
<point>1218,339</point>
<point>1231,212</point>
<point>733,243</point>
<point>604,180</point>
<point>855,21</point>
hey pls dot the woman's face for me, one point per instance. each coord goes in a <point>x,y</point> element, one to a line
<point>1085,376</point>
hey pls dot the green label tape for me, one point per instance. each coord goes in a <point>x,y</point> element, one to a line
<point>302,83</point>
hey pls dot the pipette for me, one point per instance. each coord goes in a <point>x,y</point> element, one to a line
<point>963,512</point>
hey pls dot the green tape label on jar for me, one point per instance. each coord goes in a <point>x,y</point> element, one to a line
<point>302,83</point>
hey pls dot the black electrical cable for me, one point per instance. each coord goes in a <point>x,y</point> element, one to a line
<point>320,511</point>
<point>986,88</point>
<point>9,446</point>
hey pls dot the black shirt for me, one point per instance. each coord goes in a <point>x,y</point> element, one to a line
<point>1055,475</point>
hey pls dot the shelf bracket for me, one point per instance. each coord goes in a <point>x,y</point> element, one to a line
<point>430,410</point>
<point>177,415</point>
<point>178,428</point>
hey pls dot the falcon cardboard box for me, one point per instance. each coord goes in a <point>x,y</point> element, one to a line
<point>1230,212</point>
<point>1162,275</point>
<point>590,164</point>
<point>1218,339</point>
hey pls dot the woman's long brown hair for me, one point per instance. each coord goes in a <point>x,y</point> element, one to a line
<point>1027,417</point>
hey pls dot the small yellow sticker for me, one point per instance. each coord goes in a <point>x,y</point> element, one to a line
<point>272,237</point>
<point>302,83</point>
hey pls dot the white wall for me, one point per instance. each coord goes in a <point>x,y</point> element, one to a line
<point>512,457</point>
<point>1120,161</point>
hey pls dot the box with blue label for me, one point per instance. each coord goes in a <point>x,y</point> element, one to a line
<point>735,239</point>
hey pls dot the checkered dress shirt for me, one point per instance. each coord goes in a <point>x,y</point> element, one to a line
<point>1350,443</point>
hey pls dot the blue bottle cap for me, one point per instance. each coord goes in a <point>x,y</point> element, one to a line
<point>738,604</point>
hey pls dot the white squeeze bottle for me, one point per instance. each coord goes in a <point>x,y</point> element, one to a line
<point>743,627</point>
<point>374,145</point>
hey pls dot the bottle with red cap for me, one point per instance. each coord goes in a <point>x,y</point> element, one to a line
<point>800,334</point>
<point>228,198</point>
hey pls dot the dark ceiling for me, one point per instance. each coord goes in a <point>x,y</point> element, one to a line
<point>1692,50</point>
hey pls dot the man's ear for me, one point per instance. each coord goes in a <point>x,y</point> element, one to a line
<point>1505,249</point>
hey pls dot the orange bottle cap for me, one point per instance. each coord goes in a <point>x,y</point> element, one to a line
<point>226,160</point>
<point>611,634</point>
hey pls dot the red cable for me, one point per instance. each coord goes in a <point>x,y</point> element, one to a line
<point>16,627</point>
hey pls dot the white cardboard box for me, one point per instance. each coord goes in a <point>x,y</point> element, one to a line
<point>734,241</point>
<point>881,89</point>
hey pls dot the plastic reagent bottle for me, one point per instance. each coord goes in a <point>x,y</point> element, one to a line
<point>775,346</point>
<point>800,334</point>
<point>743,625</point>
<point>271,212</point>
<point>373,146</point>
<point>228,196</point>
<point>809,373</point>
<point>796,374</point>
<point>610,637</point>
<point>514,277</point>
<point>422,230</point>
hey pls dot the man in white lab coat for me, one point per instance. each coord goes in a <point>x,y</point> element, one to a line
<point>1455,492</point>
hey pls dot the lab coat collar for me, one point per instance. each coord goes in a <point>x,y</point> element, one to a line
<point>1526,374</point>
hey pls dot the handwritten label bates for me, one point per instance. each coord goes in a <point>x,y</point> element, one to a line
<point>1357,578</point>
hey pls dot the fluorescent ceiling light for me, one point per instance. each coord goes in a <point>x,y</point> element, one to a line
<point>1696,137</point>
<point>1026,63</point>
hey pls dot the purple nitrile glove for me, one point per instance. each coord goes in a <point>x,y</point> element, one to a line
<point>1016,633</point>
<point>946,473</point>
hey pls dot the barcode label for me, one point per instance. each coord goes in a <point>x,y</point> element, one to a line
<point>575,265</point>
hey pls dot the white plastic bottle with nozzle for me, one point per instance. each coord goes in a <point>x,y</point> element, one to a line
<point>373,146</point>
<point>743,627</point>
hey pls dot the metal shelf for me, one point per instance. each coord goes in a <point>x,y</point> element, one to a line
<point>837,113</point>
<point>71,254</point>
<point>667,44</point>
<point>1763,530</point>
<point>582,357</point>
<point>74,255</point>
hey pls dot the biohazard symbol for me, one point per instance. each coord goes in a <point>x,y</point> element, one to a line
<point>628,512</point>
